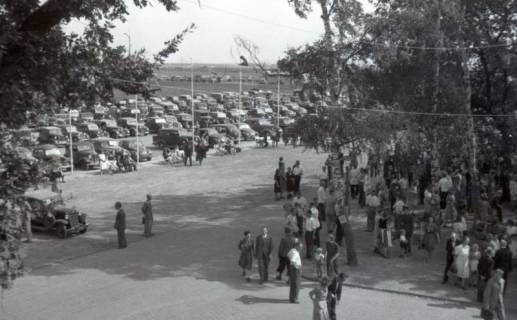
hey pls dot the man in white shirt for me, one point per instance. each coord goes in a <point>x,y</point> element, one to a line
<point>295,271</point>
<point>444,185</point>
<point>372,206</point>
<point>311,226</point>
<point>300,207</point>
<point>297,173</point>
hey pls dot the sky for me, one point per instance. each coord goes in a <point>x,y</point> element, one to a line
<point>271,24</point>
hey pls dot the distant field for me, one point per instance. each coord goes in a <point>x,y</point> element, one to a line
<point>175,88</point>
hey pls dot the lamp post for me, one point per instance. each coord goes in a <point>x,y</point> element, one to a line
<point>128,35</point>
<point>192,101</point>
<point>71,113</point>
<point>136,111</point>
<point>244,63</point>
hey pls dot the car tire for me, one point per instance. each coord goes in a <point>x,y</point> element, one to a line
<point>61,231</point>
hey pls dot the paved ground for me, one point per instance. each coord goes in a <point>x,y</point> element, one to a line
<point>189,271</point>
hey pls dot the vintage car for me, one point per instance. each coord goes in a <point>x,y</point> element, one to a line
<point>185,119</point>
<point>260,124</point>
<point>247,134</point>
<point>49,214</point>
<point>214,137</point>
<point>143,153</point>
<point>26,136</point>
<point>229,130</point>
<point>91,129</point>
<point>155,124</point>
<point>84,154</point>
<point>86,117</point>
<point>171,137</point>
<point>76,134</point>
<point>113,130</point>
<point>52,155</point>
<point>107,146</point>
<point>52,135</point>
<point>130,124</point>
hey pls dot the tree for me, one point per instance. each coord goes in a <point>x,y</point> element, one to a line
<point>42,67</point>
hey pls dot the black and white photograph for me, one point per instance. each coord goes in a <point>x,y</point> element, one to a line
<point>258,159</point>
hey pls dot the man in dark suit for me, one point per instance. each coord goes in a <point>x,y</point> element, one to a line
<point>286,244</point>
<point>120,225</point>
<point>452,242</point>
<point>263,250</point>
<point>503,261</point>
<point>187,149</point>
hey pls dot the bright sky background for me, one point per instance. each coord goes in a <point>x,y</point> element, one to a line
<point>270,24</point>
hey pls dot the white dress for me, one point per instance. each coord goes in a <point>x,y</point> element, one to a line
<point>462,261</point>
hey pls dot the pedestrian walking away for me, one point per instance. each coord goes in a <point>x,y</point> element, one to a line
<point>493,302</point>
<point>120,226</point>
<point>147,219</point>
<point>263,250</point>
<point>319,300</point>
<point>334,293</point>
<point>246,248</point>
<point>503,260</point>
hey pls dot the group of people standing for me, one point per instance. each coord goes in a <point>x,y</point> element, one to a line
<point>287,181</point>
<point>121,225</point>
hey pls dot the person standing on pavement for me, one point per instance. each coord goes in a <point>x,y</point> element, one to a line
<point>295,271</point>
<point>493,302</point>
<point>147,211</point>
<point>334,293</point>
<point>246,248</point>
<point>332,254</point>
<point>503,261</point>
<point>282,177</point>
<point>120,225</point>
<point>372,206</point>
<point>263,250</point>
<point>330,211</point>
<point>300,208</point>
<point>297,173</point>
<point>286,244</point>
<point>26,212</point>
<point>311,226</point>
<point>485,268</point>
<point>187,149</point>
<point>322,197</point>
<point>319,300</point>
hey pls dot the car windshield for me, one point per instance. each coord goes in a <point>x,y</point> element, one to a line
<point>245,126</point>
<point>111,124</point>
<point>132,145</point>
<point>52,152</point>
<point>160,120</point>
<point>83,148</point>
<point>55,132</point>
<point>93,127</point>
<point>131,122</point>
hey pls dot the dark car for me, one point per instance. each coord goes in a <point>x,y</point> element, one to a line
<point>214,137</point>
<point>130,124</point>
<point>143,153</point>
<point>51,155</point>
<point>171,137</point>
<point>155,124</point>
<point>76,134</point>
<point>84,154</point>
<point>229,130</point>
<point>52,135</point>
<point>49,214</point>
<point>91,129</point>
<point>107,146</point>
<point>113,130</point>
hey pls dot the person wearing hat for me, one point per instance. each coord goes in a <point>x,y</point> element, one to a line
<point>147,219</point>
<point>120,225</point>
<point>503,261</point>
<point>493,302</point>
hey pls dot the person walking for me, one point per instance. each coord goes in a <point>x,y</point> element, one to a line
<point>451,243</point>
<point>295,271</point>
<point>431,238</point>
<point>187,149</point>
<point>277,187</point>
<point>334,293</point>
<point>26,212</point>
<point>485,269</point>
<point>330,211</point>
<point>147,211</point>
<point>332,254</point>
<point>297,173</point>
<point>319,300</point>
<point>322,198</point>
<point>246,248</point>
<point>263,250</point>
<point>300,208</point>
<point>493,302</point>
<point>286,244</point>
<point>461,253</point>
<point>373,204</point>
<point>282,177</point>
<point>120,225</point>
<point>503,261</point>
<point>310,227</point>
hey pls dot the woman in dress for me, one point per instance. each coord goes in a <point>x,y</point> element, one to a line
<point>431,237</point>
<point>289,180</point>
<point>246,258</point>
<point>462,253</point>
<point>319,300</point>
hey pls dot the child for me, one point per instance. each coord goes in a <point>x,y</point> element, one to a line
<point>319,260</point>
<point>404,245</point>
<point>474,257</point>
